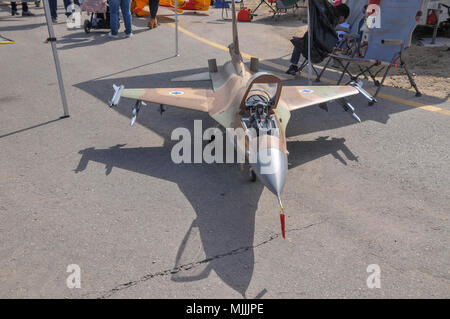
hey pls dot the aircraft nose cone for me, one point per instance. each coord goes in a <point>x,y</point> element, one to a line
<point>271,168</point>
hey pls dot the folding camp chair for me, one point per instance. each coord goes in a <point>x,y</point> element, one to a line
<point>282,7</point>
<point>357,16</point>
<point>267,3</point>
<point>342,46</point>
<point>350,45</point>
<point>226,6</point>
<point>380,49</point>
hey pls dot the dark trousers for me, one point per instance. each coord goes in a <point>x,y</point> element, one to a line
<point>153,5</point>
<point>53,6</point>
<point>24,6</point>
<point>295,57</point>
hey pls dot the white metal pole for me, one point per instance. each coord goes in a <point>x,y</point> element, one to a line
<point>177,53</point>
<point>309,45</point>
<point>52,41</point>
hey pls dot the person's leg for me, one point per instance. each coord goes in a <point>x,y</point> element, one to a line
<point>13,8</point>
<point>114,16</point>
<point>25,11</point>
<point>53,5</point>
<point>154,5</point>
<point>66,4</point>
<point>126,13</point>
<point>295,58</point>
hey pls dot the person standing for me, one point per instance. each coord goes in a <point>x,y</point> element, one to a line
<point>53,8</point>
<point>25,11</point>
<point>124,6</point>
<point>153,5</point>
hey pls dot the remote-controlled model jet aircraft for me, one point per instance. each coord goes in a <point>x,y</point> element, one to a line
<point>255,102</point>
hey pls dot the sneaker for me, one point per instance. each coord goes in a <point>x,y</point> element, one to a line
<point>27,13</point>
<point>293,70</point>
<point>128,35</point>
<point>14,13</point>
<point>54,20</point>
<point>114,36</point>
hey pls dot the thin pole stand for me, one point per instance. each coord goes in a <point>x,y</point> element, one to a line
<point>52,41</point>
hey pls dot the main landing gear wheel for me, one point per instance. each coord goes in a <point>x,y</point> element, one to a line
<point>252,175</point>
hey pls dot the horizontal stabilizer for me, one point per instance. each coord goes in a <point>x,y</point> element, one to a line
<point>281,76</point>
<point>203,76</point>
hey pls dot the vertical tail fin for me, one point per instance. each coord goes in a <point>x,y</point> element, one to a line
<point>235,31</point>
<point>233,48</point>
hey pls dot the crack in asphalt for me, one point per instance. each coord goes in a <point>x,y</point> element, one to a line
<point>191,265</point>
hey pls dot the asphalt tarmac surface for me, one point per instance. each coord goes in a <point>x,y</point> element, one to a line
<point>91,191</point>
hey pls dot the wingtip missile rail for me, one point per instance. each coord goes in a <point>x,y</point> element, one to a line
<point>116,97</point>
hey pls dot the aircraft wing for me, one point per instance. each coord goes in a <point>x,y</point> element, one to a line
<point>296,97</point>
<point>187,98</point>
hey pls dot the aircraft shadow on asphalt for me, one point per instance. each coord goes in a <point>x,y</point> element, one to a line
<point>225,203</point>
<point>221,238</point>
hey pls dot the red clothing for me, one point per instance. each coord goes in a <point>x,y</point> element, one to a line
<point>375,2</point>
